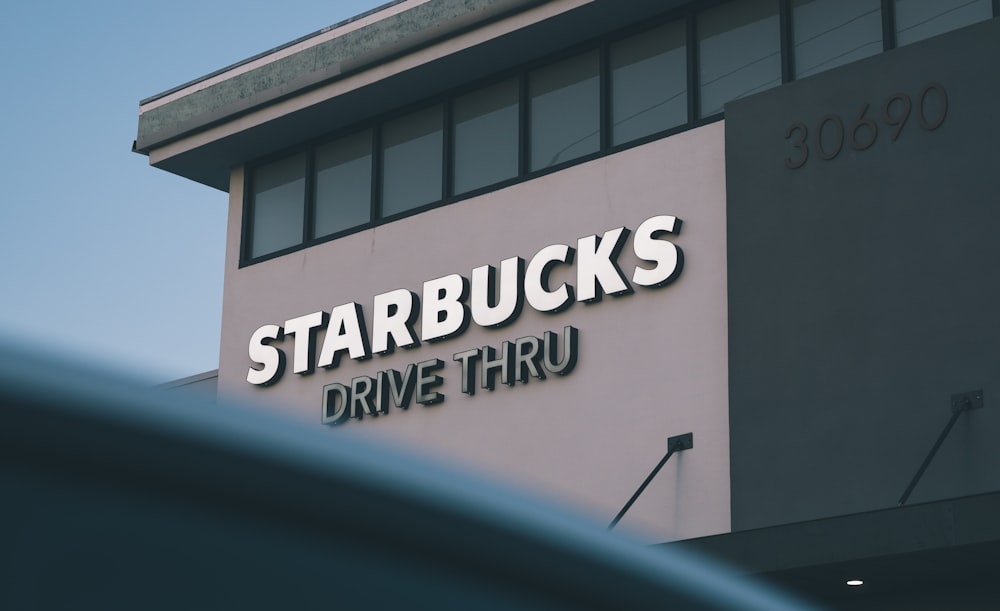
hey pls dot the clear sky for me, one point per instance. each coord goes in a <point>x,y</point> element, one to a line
<point>105,258</point>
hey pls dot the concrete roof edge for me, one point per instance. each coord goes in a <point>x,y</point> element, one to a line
<point>329,60</point>
<point>263,54</point>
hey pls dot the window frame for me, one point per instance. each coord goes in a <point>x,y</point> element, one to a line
<point>688,14</point>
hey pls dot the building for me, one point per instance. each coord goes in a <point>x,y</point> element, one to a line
<point>541,238</point>
<point>201,384</point>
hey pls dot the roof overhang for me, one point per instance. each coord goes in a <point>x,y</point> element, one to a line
<point>396,55</point>
<point>944,546</point>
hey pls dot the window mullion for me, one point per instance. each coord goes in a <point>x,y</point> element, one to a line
<point>376,202</point>
<point>888,24</point>
<point>309,224</point>
<point>604,111</point>
<point>523,130</point>
<point>447,155</point>
<point>787,41</point>
<point>691,42</point>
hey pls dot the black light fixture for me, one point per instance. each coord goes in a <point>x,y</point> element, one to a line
<point>960,403</point>
<point>676,443</point>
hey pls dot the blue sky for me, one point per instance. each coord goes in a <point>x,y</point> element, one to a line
<point>104,258</point>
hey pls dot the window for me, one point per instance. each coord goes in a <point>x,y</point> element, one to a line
<point>565,110</point>
<point>412,160</point>
<point>485,124</point>
<point>830,33</point>
<point>343,183</point>
<point>278,193</point>
<point>739,52</point>
<point>920,19</point>
<point>618,92</point>
<point>648,83</point>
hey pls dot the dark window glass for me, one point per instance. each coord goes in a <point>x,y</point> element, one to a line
<point>343,183</point>
<point>486,136</point>
<point>830,33</point>
<point>278,190</point>
<point>412,160</point>
<point>565,110</point>
<point>648,83</point>
<point>739,52</point>
<point>920,19</point>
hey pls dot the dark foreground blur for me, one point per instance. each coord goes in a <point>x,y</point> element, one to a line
<point>113,496</point>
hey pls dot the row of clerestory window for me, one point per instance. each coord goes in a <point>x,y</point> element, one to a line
<point>675,75</point>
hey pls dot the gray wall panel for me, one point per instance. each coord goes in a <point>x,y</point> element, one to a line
<point>863,289</point>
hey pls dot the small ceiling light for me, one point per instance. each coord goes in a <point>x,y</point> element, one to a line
<point>855,582</point>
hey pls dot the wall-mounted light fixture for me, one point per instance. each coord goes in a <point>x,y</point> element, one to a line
<point>674,444</point>
<point>960,403</point>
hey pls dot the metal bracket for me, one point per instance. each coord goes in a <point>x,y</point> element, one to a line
<point>960,402</point>
<point>972,399</point>
<point>677,443</point>
<point>686,441</point>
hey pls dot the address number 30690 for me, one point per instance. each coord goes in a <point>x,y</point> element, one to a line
<point>929,109</point>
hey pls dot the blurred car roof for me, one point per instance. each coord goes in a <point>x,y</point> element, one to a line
<point>119,496</point>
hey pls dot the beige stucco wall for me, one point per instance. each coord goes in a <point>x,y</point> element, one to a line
<point>652,364</point>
